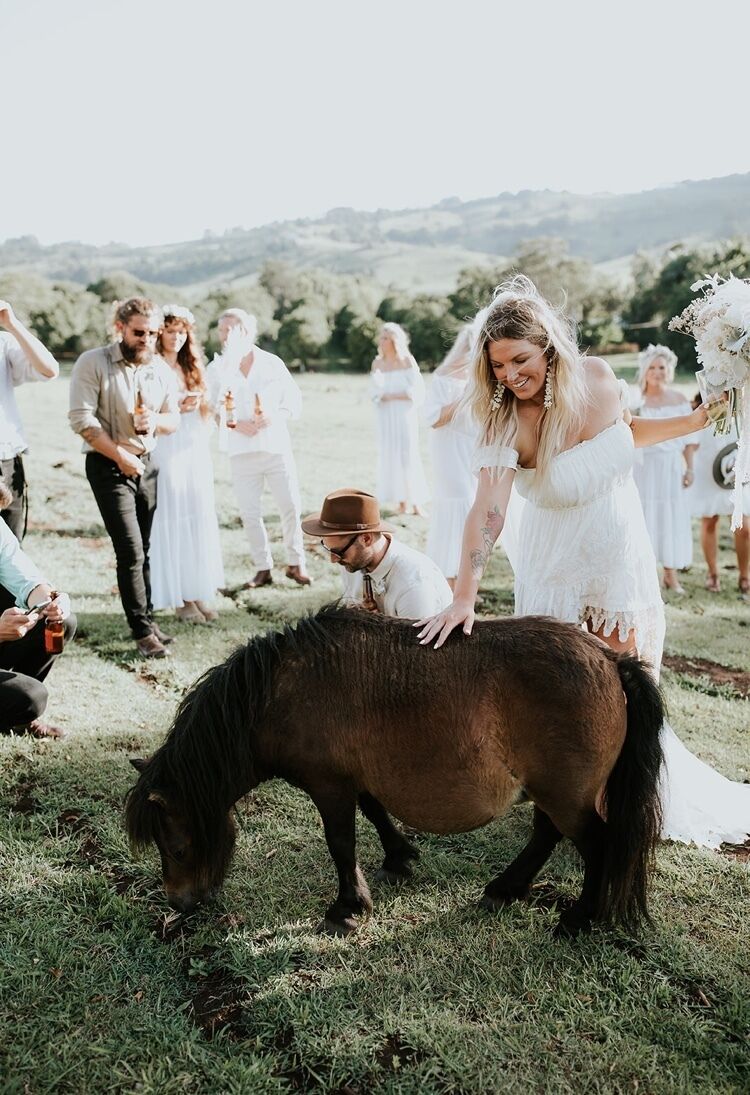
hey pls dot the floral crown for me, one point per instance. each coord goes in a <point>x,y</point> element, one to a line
<point>176,311</point>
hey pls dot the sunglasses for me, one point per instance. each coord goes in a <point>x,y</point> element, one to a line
<point>339,553</point>
<point>143,334</point>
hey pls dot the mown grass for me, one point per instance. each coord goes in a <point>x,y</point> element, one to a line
<point>99,991</point>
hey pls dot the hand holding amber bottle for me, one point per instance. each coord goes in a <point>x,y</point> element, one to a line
<point>230,416</point>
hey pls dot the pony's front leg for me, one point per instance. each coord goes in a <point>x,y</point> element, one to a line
<point>515,881</point>
<point>398,850</point>
<point>337,809</point>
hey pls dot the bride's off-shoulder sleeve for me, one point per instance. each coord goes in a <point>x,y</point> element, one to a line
<point>494,456</point>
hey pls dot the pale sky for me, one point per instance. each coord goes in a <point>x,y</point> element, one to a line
<point>149,121</point>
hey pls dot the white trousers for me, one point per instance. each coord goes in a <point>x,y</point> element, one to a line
<point>251,471</point>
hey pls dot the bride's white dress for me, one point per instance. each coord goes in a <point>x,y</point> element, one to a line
<point>581,552</point>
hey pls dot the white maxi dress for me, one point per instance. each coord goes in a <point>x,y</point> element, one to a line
<point>454,485</point>
<point>185,554</point>
<point>582,553</point>
<point>400,475</point>
<point>658,475</point>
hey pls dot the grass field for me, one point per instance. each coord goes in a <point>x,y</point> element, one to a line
<point>100,992</point>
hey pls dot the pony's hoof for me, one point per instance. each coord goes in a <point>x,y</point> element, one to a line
<point>498,901</point>
<point>571,925</point>
<point>337,928</point>
<point>391,877</point>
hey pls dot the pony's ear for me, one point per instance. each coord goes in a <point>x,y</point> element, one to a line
<point>139,763</point>
<point>158,798</point>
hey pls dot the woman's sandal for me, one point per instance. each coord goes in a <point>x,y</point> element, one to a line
<point>712,583</point>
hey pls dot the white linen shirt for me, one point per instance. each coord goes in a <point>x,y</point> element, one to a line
<point>280,398</point>
<point>405,583</point>
<point>15,369</point>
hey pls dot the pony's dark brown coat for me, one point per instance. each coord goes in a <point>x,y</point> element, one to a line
<point>350,707</point>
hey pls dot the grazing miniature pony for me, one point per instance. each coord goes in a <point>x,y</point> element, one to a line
<point>352,709</point>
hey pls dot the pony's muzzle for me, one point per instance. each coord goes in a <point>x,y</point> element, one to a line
<point>183,902</point>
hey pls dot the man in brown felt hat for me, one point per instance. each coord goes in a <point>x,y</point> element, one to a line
<point>402,581</point>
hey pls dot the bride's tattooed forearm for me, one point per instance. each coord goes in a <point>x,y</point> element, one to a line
<point>489,533</point>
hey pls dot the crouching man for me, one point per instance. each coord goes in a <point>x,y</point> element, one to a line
<point>26,603</point>
<point>381,573</point>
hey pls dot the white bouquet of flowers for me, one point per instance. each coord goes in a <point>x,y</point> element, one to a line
<point>719,321</point>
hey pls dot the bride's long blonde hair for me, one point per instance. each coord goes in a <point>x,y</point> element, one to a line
<point>519,311</point>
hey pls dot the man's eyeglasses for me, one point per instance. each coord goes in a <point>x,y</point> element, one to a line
<point>339,553</point>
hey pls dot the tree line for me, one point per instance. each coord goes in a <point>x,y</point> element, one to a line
<point>314,318</point>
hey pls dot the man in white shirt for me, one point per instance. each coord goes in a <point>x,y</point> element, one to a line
<point>22,358</point>
<point>381,574</point>
<point>260,450</point>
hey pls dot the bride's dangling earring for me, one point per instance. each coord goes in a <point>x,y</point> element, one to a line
<point>548,390</point>
<point>497,395</point>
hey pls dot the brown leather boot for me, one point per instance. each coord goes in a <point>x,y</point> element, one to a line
<point>151,647</point>
<point>297,575</point>
<point>262,578</point>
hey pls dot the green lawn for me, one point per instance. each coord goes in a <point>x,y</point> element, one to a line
<point>100,992</point>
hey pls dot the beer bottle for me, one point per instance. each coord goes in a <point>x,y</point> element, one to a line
<point>140,407</point>
<point>369,597</point>
<point>54,632</point>
<point>258,404</point>
<point>230,416</point>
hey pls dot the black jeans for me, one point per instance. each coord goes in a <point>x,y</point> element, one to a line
<point>127,507</point>
<point>24,663</point>
<point>13,475</point>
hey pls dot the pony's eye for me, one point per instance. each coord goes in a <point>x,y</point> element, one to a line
<point>178,854</point>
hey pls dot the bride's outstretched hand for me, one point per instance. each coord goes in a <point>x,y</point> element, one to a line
<point>460,612</point>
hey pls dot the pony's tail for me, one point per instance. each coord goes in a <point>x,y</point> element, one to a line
<point>633,807</point>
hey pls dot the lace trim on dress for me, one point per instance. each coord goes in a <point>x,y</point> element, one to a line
<point>647,625</point>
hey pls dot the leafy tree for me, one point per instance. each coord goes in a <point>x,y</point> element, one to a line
<point>567,281</point>
<point>360,342</point>
<point>663,290</point>
<point>428,321</point>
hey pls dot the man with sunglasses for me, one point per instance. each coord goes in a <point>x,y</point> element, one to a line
<point>380,573</point>
<point>122,397</point>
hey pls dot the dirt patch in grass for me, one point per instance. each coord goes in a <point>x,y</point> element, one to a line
<point>72,822</point>
<point>217,1004</point>
<point>736,679</point>
<point>395,1053</point>
<point>740,852</point>
<point>25,801</point>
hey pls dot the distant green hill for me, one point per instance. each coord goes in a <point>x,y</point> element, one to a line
<point>416,249</point>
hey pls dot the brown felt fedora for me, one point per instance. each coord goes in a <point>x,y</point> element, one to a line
<point>345,512</point>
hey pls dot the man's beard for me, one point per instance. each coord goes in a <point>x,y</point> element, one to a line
<point>134,355</point>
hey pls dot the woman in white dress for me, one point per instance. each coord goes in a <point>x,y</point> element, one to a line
<point>710,496</point>
<point>453,440</point>
<point>397,389</point>
<point>554,423</point>
<point>186,565</point>
<point>665,470</point>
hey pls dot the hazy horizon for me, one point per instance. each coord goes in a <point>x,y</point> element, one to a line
<point>321,214</point>
<point>151,124</point>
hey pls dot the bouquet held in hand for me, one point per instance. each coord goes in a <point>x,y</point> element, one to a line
<point>719,321</point>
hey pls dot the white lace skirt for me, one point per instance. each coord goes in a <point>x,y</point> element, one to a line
<point>592,562</point>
